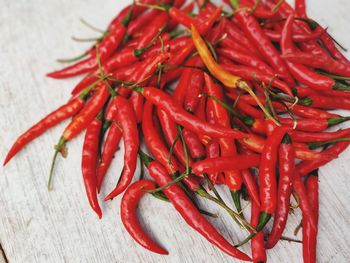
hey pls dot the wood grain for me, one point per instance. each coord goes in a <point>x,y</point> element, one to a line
<point>58,226</point>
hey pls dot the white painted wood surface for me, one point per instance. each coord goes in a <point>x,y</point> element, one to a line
<point>38,226</point>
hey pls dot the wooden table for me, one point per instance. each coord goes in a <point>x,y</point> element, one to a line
<point>58,226</point>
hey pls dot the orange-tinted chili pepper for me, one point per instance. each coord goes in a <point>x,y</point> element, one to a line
<point>285,187</point>
<point>129,218</point>
<point>89,161</point>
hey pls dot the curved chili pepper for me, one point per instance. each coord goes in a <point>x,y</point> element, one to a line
<point>309,235</point>
<point>154,141</point>
<point>127,120</point>
<point>89,162</point>
<point>285,186</point>
<point>305,91</point>
<point>129,218</point>
<point>255,33</point>
<point>313,125</point>
<point>229,42</point>
<point>107,46</point>
<point>321,62</point>
<point>300,136</point>
<point>333,152</point>
<point>245,59</point>
<point>69,109</point>
<point>185,119</point>
<point>305,206</point>
<point>137,24</point>
<point>110,146</point>
<point>220,164</point>
<point>300,72</point>
<point>189,212</point>
<point>276,36</point>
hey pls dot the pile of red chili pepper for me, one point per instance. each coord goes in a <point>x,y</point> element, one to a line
<point>239,95</point>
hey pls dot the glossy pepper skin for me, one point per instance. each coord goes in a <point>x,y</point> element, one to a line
<point>110,146</point>
<point>220,164</point>
<point>105,49</point>
<point>127,120</point>
<point>66,111</point>
<point>190,213</point>
<point>89,162</point>
<point>267,176</point>
<point>300,72</point>
<point>254,32</point>
<point>257,243</point>
<point>310,235</point>
<point>285,187</point>
<point>129,218</point>
<point>185,119</point>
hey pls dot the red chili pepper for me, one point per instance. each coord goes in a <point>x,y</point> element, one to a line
<point>276,36</point>
<point>310,235</point>
<point>89,162</point>
<point>136,25</point>
<point>227,146</point>
<point>195,146</point>
<point>187,21</point>
<point>255,33</point>
<point>300,72</point>
<point>306,91</point>
<point>194,89</point>
<point>127,120</point>
<point>213,151</point>
<point>251,186</point>
<point>267,176</point>
<point>333,152</point>
<point>220,164</point>
<point>257,245</point>
<point>189,212</point>
<point>305,206</point>
<point>285,186</point>
<point>245,59</point>
<point>110,146</point>
<point>181,88</point>
<point>229,42</point>
<point>187,9</point>
<point>321,62</point>
<point>313,125</point>
<point>69,109</point>
<point>107,46</point>
<point>171,133</point>
<point>326,102</point>
<point>300,136</point>
<point>129,218</point>
<point>249,73</point>
<point>155,142</point>
<point>185,119</point>
<point>300,8</point>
